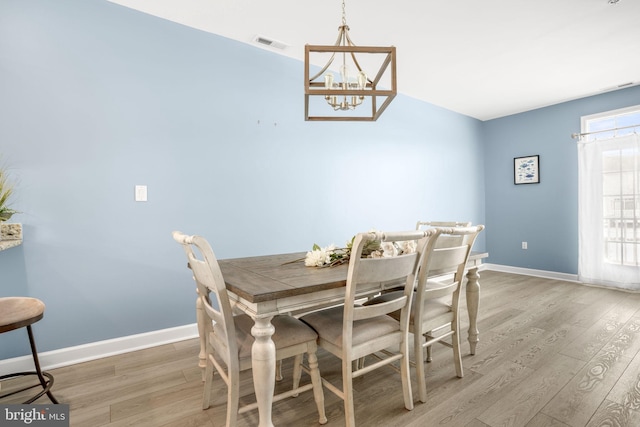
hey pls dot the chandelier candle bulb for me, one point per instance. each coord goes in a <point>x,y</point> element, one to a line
<point>362,81</point>
<point>344,74</point>
<point>328,81</point>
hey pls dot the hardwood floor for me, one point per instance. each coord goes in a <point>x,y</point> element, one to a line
<point>551,353</point>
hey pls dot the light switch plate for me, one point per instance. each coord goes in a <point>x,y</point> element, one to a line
<point>141,193</point>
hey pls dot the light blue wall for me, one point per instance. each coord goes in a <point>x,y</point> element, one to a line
<point>96,98</point>
<point>544,215</point>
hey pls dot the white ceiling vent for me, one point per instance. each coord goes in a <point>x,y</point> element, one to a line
<point>265,41</point>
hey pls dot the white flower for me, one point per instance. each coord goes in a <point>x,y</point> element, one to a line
<point>377,254</point>
<point>316,258</point>
<point>408,246</point>
<point>330,249</point>
<point>388,249</point>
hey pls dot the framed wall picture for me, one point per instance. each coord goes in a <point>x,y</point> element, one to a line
<point>526,170</point>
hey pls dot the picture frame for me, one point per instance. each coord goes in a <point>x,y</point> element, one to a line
<point>526,170</point>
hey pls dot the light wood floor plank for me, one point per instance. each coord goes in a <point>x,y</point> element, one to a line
<point>505,351</point>
<point>614,414</point>
<point>470,402</point>
<point>520,406</point>
<point>579,400</point>
<point>542,420</point>
<point>627,390</point>
<point>587,345</point>
<point>545,350</point>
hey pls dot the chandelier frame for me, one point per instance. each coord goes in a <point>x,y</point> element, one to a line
<point>370,89</point>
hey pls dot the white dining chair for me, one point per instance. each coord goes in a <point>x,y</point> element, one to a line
<point>353,331</point>
<point>228,347</point>
<point>435,307</point>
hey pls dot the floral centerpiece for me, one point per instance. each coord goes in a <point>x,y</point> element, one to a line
<point>331,255</point>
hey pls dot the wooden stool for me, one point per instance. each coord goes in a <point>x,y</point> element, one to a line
<point>16,313</point>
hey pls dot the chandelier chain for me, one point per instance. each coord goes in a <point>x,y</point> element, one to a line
<point>344,14</point>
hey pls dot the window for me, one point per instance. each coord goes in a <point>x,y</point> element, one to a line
<point>620,183</point>
<point>612,123</point>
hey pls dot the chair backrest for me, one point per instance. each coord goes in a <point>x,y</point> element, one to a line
<point>396,269</point>
<point>208,278</point>
<point>444,241</point>
<point>442,272</point>
<point>449,224</point>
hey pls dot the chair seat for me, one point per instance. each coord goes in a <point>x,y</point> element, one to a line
<point>22,312</point>
<point>328,325</point>
<point>289,331</point>
<point>18,312</point>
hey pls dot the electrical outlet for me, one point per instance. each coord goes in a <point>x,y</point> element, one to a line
<point>524,245</point>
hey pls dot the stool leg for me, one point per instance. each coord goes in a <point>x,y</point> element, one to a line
<point>46,385</point>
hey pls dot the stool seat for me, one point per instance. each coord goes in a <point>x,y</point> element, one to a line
<point>18,312</point>
<point>22,312</point>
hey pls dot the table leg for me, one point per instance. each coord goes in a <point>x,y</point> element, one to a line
<point>473,300</point>
<point>263,362</point>
<point>201,319</point>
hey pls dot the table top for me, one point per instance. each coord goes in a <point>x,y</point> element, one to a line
<point>271,277</point>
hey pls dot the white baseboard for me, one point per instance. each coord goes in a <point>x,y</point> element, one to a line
<point>97,350</point>
<point>531,272</point>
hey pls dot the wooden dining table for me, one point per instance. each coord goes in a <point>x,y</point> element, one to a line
<point>266,286</point>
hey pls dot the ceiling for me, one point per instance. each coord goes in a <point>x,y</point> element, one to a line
<point>485,59</point>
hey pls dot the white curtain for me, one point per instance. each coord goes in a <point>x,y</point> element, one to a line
<point>609,212</point>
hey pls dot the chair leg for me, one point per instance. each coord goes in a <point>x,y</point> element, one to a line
<point>318,394</point>
<point>457,357</point>
<point>405,372</point>
<point>347,391</point>
<point>233,398</point>
<point>208,384</point>
<point>46,385</point>
<point>297,372</point>
<point>418,350</point>
<point>279,376</point>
